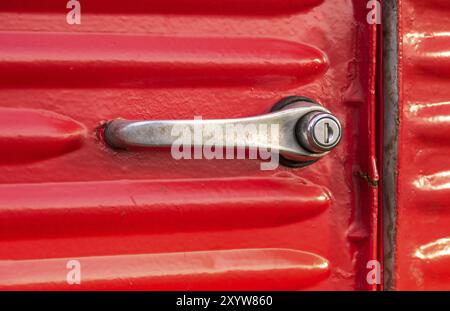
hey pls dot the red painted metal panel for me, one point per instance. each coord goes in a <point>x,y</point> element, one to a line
<point>145,219</point>
<point>423,231</point>
<point>249,269</point>
<point>28,135</point>
<point>106,60</point>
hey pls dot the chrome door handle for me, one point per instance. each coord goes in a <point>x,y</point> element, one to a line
<point>306,132</point>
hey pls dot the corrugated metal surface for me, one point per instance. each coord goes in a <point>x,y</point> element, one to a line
<point>145,221</point>
<point>423,232</point>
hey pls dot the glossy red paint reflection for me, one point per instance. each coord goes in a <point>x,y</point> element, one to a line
<point>423,221</point>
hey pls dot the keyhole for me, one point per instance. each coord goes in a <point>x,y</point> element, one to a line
<point>328,133</point>
<point>319,132</point>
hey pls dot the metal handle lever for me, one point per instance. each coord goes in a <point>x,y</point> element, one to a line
<point>306,131</point>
